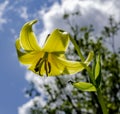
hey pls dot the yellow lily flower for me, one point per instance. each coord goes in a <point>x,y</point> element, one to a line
<point>50,59</point>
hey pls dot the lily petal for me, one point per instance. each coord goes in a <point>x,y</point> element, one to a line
<point>66,66</point>
<point>27,37</point>
<point>29,57</point>
<point>62,66</point>
<point>57,41</point>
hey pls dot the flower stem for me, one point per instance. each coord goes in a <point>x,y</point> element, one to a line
<point>99,94</point>
<point>101,101</point>
<point>77,48</point>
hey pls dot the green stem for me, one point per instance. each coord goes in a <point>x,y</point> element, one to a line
<point>99,94</point>
<point>77,48</point>
<point>101,101</point>
<point>83,59</point>
<point>90,74</point>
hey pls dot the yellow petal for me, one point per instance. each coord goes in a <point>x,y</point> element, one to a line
<point>27,57</point>
<point>59,65</point>
<point>27,37</point>
<point>56,42</point>
<point>62,66</point>
<point>65,66</point>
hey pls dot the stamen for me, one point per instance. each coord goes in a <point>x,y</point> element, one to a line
<point>37,65</point>
<point>46,67</point>
<point>36,69</point>
<point>39,72</point>
<point>40,66</point>
<point>38,62</point>
<point>49,67</point>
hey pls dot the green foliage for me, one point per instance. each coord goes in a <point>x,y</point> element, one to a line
<point>84,86</point>
<point>97,70</point>
<point>107,72</point>
<point>110,67</point>
<point>97,67</point>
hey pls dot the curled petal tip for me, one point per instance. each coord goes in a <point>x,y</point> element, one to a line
<point>33,22</point>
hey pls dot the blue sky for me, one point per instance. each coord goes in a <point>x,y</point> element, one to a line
<point>12,75</point>
<point>14,13</point>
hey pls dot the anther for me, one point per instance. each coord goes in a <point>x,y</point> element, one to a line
<point>36,69</point>
<point>38,65</point>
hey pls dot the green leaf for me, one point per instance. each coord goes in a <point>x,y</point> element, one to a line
<point>97,70</point>
<point>84,86</point>
<point>97,67</point>
<point>86,35</point>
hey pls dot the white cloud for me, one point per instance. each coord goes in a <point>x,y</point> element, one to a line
<point>2,11</point>
<point>39,82</point>
<point>26,108</point>
<point>41,101</point>
<point>23,12</point>
<point>92,12</point>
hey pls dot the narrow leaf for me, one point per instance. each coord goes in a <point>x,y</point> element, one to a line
<point>84,86</point>
<point>97,71</point>
<point>97,67</point>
